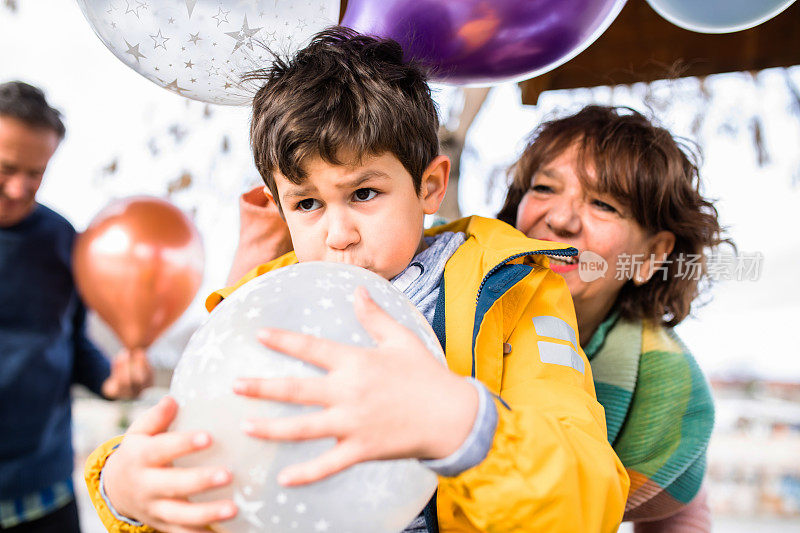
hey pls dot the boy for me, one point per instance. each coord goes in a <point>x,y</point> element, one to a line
<point>344,136</point>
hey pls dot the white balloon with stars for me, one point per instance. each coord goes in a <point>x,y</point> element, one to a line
<point>200,48</point>
<point>316,299</point>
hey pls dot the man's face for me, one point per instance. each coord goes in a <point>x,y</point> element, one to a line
<point>24,154</point>
<point>367,215</point>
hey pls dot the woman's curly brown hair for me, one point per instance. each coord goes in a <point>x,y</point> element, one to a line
<point>654,175</point>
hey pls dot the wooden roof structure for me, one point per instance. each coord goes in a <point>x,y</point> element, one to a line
<point>640,46</point>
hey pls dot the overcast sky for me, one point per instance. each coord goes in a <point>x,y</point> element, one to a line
<point>112,114</point>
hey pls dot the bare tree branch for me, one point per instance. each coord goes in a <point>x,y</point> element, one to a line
<point>452,145</point>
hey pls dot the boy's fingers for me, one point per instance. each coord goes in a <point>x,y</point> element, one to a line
<point>176,483</point>
<point>378,323</point>
<point>306,391</point>
<point>156,419</point>
<point>319,352</point>
<point>183,513</point>
<point>164,448</point>
<point>341,456</point>
<point>315,425</point>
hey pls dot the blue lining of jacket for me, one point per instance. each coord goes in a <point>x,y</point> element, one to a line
<point>496,285</point>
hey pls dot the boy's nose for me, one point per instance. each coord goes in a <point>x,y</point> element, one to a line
<point>342,231</point>
<point>563,219</point>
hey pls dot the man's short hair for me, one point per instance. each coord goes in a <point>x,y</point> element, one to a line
<point>27,103</point>
<point>344,95</point>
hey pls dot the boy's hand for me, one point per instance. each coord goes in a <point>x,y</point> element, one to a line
<point>392,401</point>
<point>141,483</point>
<point>130,375</point>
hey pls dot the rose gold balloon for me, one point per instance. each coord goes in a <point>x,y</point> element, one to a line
<point>139,265</point>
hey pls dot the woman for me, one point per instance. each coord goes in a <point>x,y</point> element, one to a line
<point>626,195</point>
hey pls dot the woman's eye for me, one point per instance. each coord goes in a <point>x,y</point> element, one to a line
<point>363,195</point>
<point>541,188</point>
<point>604,206</point>
<point>309,204</point>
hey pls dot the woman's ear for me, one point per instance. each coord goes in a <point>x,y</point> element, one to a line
<point>661,244</point>
<point>434,183</point>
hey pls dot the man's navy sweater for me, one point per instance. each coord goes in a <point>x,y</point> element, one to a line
<point>43,350</point>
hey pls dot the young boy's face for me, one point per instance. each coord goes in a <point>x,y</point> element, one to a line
<point>367,215</point>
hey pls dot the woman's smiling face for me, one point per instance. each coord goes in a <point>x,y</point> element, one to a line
<point>558,207</point>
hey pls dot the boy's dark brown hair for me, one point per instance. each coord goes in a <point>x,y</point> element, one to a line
<point>344,95</point>
<point>653,175</point>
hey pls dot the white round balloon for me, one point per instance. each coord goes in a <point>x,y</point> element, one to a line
<point>718,16</point>
<point>316,299</point>
<point>200,48</point>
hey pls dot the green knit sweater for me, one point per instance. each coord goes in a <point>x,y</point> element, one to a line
<point>659,412</point>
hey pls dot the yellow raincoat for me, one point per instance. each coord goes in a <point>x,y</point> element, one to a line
<point>550,468</point>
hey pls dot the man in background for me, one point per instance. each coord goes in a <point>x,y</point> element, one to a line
<point>43,344</point>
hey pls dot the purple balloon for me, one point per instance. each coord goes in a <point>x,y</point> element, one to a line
<point>483,42</point>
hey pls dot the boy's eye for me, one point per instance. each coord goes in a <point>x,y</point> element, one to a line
<point>309,204</point>
<point>363,195</point>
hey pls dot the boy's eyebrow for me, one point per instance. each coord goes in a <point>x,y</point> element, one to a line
<point>306,189</point>
<point>363,177</point>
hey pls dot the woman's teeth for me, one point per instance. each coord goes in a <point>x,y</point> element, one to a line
<point>565,260</point>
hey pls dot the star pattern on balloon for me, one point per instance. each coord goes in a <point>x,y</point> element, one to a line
<point>249,509</point>
<point>376,492</point>
<point>243,37</point>
<point>159,41</point>
<point>134,51</point>
<point>258,474</point>
<point>207,25</point>
<point>174,87</point>
<point>134,9</point>
<point>324,284</point>
<point>221,16</point>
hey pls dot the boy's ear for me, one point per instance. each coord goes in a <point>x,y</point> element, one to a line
<point>434,183</point>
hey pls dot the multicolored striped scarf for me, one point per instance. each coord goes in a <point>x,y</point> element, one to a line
<point>659,412</point>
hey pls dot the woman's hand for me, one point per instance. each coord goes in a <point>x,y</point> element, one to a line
<point>392,401</point>
<point>141,483</point>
